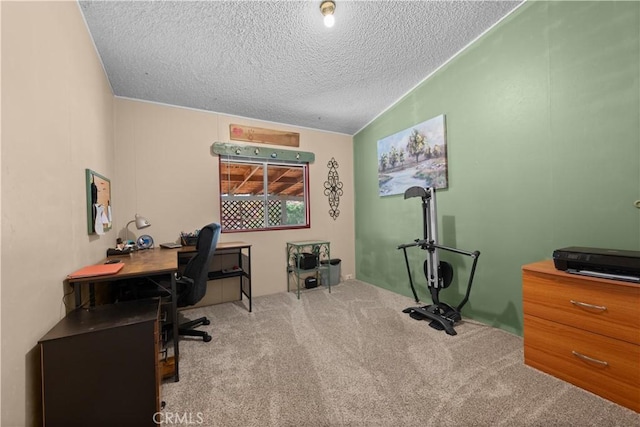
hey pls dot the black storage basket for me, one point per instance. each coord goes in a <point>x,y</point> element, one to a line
<point>307,261</point>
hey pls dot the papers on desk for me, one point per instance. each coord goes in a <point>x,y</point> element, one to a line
<point>96,270</point>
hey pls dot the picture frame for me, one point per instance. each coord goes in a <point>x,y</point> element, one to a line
<point>99,209</point>
<point>416,156</point>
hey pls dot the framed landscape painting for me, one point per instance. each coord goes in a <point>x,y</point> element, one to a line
<point>416,156</point>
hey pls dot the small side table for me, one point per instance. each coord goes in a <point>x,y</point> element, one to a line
<point>319,248</point>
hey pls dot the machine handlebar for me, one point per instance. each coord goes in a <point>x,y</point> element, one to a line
<point>408,245</point>
<point>425,244</point>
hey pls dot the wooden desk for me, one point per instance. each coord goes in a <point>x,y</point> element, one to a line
<point>165,262</point>
<point>143,263</point>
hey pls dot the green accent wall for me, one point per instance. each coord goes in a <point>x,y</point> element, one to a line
<point>543,134</point>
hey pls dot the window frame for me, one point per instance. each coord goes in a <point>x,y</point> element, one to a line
<point>265,197</point>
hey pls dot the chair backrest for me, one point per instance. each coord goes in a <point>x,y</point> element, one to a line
<point>197,268</point>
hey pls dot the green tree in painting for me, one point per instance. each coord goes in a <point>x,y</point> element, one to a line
<point>416,144</point>
<point>384,161</point>
<point>394,157</point>
<point>428,153</point>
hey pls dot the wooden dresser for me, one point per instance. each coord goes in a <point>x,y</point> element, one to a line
<point>583,330</point>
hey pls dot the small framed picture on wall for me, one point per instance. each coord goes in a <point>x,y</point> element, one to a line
<point>99,214</point>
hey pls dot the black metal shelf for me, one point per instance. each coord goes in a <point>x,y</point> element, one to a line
<point>216,275</point>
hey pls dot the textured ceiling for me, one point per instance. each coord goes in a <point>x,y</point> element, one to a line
<point>275,60</point>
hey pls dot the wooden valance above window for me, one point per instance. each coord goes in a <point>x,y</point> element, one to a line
<point>252,152</point>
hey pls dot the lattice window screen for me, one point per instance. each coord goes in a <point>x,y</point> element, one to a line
<point>275,212</point>
<point>248,214</point>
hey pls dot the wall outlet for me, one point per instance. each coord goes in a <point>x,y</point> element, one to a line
<point>348,276</point>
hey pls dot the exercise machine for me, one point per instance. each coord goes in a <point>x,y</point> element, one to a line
<point>439,274</point>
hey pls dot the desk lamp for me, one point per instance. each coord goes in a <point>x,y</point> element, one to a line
<point>141,222</point>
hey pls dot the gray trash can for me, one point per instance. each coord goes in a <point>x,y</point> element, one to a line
<point>330,275</point>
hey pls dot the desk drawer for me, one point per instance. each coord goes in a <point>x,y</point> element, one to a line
<point>607,309</point>
<point>562,351</point>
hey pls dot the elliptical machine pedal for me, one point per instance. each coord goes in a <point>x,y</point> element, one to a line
<point>431,312</point>
<point>414,314</point>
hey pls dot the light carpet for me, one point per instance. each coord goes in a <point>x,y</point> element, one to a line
<point>352,358</point>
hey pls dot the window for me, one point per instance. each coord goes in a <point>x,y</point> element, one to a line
<point>263,195</point>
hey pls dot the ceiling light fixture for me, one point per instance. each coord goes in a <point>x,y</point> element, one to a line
<point>327,8</point>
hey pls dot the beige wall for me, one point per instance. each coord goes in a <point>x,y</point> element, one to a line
<point>165,172</point>
<point>57,117</point>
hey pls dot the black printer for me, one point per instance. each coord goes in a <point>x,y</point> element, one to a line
<point>608,263</point>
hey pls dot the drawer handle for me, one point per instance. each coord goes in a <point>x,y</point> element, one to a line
<point>585,305</point>
<point>589,359</point>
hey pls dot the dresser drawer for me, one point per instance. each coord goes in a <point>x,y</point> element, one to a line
<point>602,365</point>
<point>597,306</point>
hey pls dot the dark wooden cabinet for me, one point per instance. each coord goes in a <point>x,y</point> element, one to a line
<point>100,367</point>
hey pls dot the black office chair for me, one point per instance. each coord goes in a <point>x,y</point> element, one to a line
<point>191,286</point>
